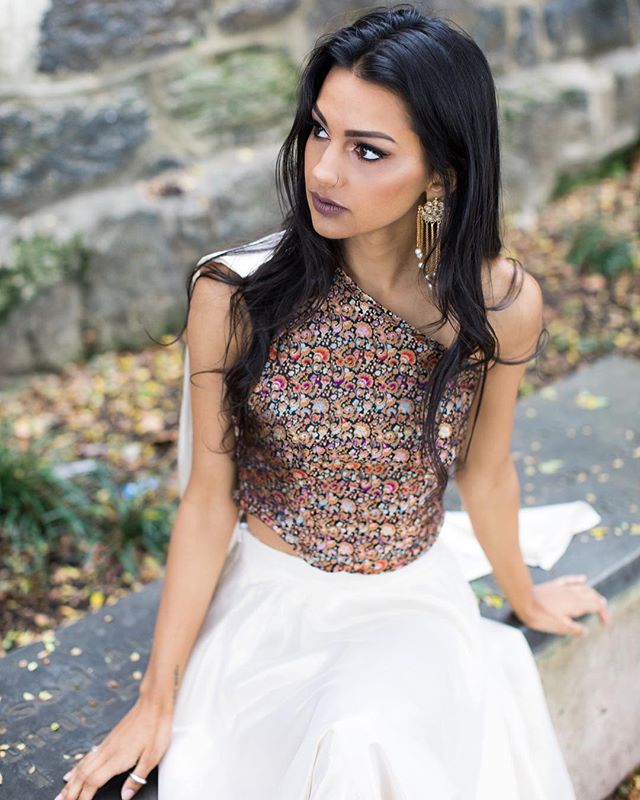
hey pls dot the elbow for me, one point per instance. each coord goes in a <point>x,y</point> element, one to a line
<point>482,479</point>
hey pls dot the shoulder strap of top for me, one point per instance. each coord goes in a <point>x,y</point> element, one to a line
<point>244,263</point>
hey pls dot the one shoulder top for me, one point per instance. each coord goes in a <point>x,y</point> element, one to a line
<point>332,463</point>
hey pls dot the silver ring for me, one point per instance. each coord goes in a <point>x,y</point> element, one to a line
<point>137,778</point>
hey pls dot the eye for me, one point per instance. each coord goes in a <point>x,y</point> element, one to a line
<point>359,147</point>
<point>365,147</point>
<point>315,126</point>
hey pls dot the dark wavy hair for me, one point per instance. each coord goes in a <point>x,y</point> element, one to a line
<point>445,81</point>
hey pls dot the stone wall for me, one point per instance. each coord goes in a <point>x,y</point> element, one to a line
<point>151,128</point>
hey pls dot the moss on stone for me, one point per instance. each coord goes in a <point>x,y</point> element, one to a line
<point>248,89</point>
<point>37,263</point>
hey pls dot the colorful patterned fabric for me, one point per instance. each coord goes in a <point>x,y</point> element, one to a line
<point>332,459</point>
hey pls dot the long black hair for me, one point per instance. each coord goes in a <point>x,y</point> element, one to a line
<point>445,81</point>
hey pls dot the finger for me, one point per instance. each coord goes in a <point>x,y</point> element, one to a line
<point>573,579</point>
<point>132,786</point>
<point>603,611</point>
<point>67,776</point>
<point>597,604</point>
<point>77,776</point>
<point>96,781</point>
<point>573,628</point>
<point>99,775</point>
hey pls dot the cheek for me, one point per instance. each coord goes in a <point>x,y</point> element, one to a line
<point>310,156</point>
<point>388,188</point>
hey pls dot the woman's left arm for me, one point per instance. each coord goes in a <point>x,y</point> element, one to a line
<point>488,483</point>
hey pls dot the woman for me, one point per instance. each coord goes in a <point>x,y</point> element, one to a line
<point>324,644</point>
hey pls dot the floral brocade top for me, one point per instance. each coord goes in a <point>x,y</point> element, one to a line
<point>331,462</point>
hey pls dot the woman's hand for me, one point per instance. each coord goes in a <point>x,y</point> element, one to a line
<point>558,600</point>
<point>136,743</point>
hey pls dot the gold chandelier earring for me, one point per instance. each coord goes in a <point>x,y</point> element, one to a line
<point>428,224</point>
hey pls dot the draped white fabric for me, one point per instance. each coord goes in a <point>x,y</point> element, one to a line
<point>313,685</point>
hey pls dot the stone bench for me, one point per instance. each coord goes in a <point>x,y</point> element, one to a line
<point>92,676</point>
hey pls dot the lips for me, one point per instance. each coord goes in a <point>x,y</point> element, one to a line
<point>327,200</point>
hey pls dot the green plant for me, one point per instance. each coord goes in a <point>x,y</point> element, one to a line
<point>594,249</point>
<point>36,508</point>
<point>37,263</point>
<point>45,517</point>
<point>132,518</point>
<point>614,165</point>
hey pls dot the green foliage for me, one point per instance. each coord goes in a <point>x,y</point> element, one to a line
<point>37,263</point>
<point>615,165</point>
<point>133,518</point>
<point>36,507</point>
<point>594,249</point>
<point>42,513</point>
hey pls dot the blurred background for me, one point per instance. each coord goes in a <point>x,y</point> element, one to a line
<point>137,136</point>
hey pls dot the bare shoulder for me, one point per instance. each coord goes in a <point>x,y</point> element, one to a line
<point>208,324</point>
<point>519,323</point>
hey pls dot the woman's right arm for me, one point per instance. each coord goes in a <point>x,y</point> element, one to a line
<point>198,546</point>
<point>207,515</point>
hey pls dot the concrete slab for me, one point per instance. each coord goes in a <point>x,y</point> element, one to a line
<point>91,679</point>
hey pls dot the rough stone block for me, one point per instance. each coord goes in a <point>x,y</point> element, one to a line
<point>230,99</point>
<point>50,148</point>
<point>80,36</point>
<point>141,243</point>
<point>581,27</point>
<point>526,44</point>
<point>244,15</point>
<point>44,333</point>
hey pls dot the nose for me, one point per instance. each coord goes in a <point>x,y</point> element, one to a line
<point>325,172</point>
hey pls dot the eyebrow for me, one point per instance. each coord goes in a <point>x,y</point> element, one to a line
<point>352,133</point>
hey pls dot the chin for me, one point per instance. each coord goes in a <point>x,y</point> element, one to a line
<point>328,231</point>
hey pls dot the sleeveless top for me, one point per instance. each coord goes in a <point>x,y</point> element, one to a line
<point>331,461</point>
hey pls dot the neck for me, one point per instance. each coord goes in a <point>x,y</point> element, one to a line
<point>381,259</point>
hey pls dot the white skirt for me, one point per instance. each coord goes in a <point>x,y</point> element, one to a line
<point>313,685</point>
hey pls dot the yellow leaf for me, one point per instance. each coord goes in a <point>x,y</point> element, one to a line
<point>589,401</point>
<point>96,600</point>
<point>550,467</point>
<point>599,532</point>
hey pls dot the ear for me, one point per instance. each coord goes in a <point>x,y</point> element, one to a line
<point>435,187</point>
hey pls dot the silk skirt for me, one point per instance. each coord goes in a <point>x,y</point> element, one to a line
<point>312,685</point>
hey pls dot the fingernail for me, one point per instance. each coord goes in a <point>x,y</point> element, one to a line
<point>127,794</point>
<point>67,776</point>
<point>59,797</point>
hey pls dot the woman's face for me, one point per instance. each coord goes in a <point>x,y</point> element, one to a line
<point>379,178</point>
